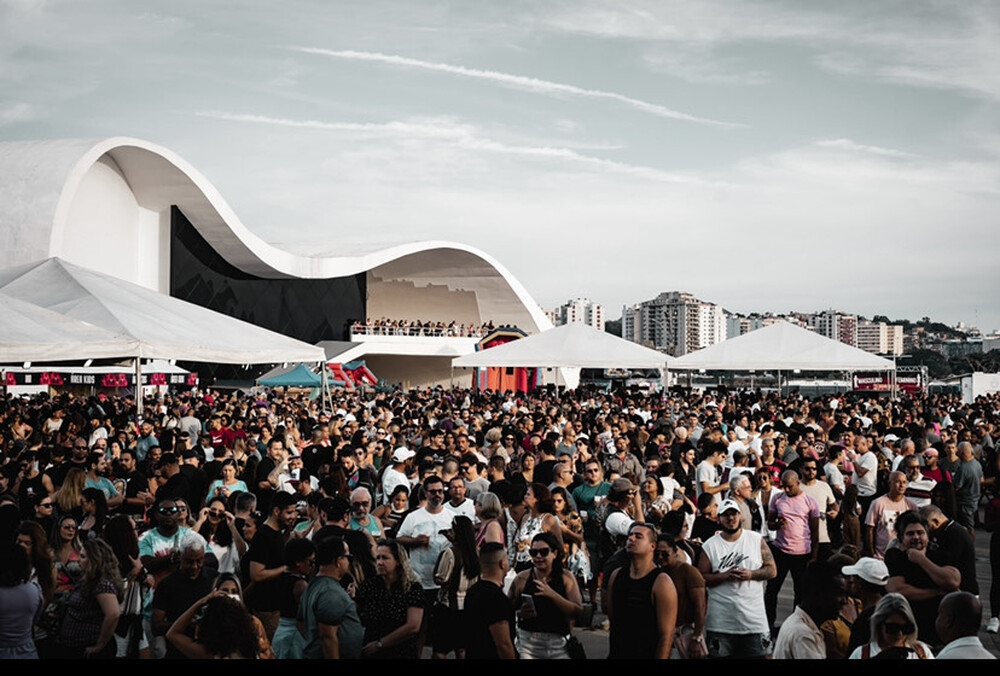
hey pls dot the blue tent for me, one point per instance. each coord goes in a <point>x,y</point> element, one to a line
<point>300,376</point>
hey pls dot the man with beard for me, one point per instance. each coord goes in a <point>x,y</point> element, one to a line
<point>137,495</point>
<point>146,440</point>
<point>266,481</point>
<point>642,602</point>
<point>78,460</point>
<point>736,564</point>
<point>267,561</point>
<point>795,517</point>
<point>97,470</point>
<point>919,573</point>
<point>159,548</point>
<point>421,534</point>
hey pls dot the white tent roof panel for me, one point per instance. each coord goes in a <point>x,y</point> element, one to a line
<point>571,345</point>
<point>141,322</point>
<point>782,346</point>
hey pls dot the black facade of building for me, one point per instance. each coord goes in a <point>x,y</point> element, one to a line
<point>308,309</point>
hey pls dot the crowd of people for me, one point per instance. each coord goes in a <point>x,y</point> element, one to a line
<point>407,327</point>
<point>489,525</point>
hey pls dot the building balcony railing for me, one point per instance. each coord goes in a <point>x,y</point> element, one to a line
<point>421,329</point>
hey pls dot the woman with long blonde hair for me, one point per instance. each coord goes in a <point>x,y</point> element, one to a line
<point>66,548</point>
<point>69,497</point>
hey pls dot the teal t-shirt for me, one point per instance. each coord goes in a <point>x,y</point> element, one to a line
<point>584,496</point>
<point>326,602</point>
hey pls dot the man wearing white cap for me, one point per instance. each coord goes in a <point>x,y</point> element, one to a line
<point>866,582</point>
<point>396,475</point>
<point>736,563</point>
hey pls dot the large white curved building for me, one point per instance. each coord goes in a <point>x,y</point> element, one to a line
<point>138,211</point>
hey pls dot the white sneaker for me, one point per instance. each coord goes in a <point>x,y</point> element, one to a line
<point>993,626</point>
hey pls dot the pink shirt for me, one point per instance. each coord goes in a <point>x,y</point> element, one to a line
<point>882,518</point>
<point>795,537</point>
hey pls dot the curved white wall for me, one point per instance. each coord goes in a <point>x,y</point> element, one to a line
<point>108,225</point>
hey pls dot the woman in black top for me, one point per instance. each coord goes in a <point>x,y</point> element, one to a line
<point>547,600</point>
<point>300,560</point>
<point>391,606</point>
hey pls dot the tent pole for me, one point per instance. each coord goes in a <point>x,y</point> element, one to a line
<point>138,389</point>
<point>324,390</point>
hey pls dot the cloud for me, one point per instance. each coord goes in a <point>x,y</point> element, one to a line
<point>926,43</point>
<point>847,144</point>
<point>698,65</point>
<point>426,130</point>
<point>462,135</point>
<point>12,113</point>
<point>517,81</point>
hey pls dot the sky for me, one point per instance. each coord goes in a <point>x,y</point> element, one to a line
<point>765,156</point>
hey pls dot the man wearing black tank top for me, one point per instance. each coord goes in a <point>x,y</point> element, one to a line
<point>643,601</point>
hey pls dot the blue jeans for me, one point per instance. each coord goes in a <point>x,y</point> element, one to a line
<point>742,646</point>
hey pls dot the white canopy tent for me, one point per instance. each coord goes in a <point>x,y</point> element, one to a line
<point>28,331</point>
<point>782,346</point>
<point>572,345</point>
<point>141,322</point>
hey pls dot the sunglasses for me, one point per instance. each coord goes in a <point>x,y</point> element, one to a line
<point>898,628</point>
<point>540,551</point>
<point>168,510</point>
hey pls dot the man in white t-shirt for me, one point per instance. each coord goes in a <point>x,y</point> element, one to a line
<point>396,475</point>
<point>421,534</point>
<point>736,565</point>
<point>707,474</point>
<point>865,471</point>
<point>834,477</point>
<point>457,503</point>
